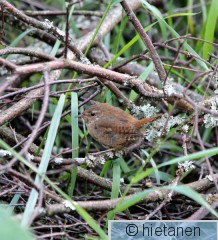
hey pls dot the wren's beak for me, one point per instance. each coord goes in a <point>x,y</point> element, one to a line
<point>78,116</point>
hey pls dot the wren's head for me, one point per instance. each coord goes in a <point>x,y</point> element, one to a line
<point>93,113</point>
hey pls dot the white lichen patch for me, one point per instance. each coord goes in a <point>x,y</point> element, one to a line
<point>209,177</point>
<point>119,153</point>
<point>159,125</point>
<point>170,194</point>
<point>89,163</point>
<point>42,211</point>
<point>187,165</point>
<point>30,157</point>
<point>110,154</point>
<point>60,32</point>
<point>5,153</point>
<point>84,60</point>
<point>101,159</point>
<point>172,122</point>
<point>126,82</point>
<point>169,90</point>
<point>144,111</point>
<point>185,128</point>
<point>48,24</point>
<point>68,204</point>
<point>90,160</point>
<point>58,160</point>
<point>152,134</point>
<point>91,157</point>
<point>210,120</point>
<point>214,104</point>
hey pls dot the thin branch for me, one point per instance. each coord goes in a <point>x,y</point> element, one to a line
<point>145,38</point>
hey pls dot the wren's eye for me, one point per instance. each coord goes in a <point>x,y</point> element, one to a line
<point>93,114</point>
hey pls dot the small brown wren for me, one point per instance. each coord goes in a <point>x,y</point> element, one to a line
<point>115,128</point>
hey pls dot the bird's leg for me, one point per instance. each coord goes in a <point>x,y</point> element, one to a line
<point>133,146</point>
<point>103,152</point>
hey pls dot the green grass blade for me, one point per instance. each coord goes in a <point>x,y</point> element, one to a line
<point>115,185</point>
<point>116,179</point>
<point>137,37</point>
<point>20,37</point>
<point>11,229</point>
<point>187,191</point>
<point>210,28</point>
<point>44,161</point>
<point>156,172</point>
<point>98,27</point>
<point>143,76</point>
<point>81,211</point>
<point>193,156</point>
<point>174,33</point>
<point>15,199</point>
<point>75,140</point>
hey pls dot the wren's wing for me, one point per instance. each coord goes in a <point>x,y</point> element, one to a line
<point>117,133</point>
<point>116,125</point>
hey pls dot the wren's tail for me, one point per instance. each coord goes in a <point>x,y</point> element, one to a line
<point>140,123</point>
